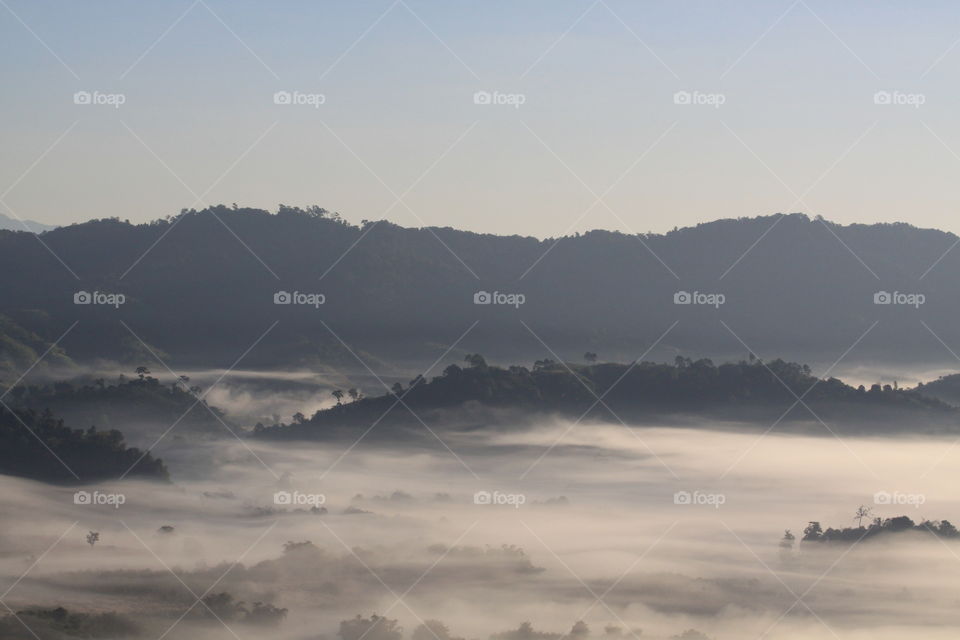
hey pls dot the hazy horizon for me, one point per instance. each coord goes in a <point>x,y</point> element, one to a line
<point>659,342</point>
<point>788,96</point>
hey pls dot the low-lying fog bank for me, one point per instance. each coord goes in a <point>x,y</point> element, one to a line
<point>646,532</point>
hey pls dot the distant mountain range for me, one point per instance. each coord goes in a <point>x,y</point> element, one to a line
<point>12,224</point>
<point>202,287</point>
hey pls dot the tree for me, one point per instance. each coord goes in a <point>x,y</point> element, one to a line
<point>184,380</point>
<point>475,360</point>
<point>397,389</point>
<point>299,418</point>
<point>93,538</point>
<point>338,394</point>
<point>812,532</point>
<point>142,371</point>
<point>432,630</point>
<point>861,513</point>
<point>373,628</point>
<point>786,542</point>
<point>590,357</point>
<point>353,393</point>
<point>546,363</point>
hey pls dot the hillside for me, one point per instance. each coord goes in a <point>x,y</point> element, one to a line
<point>645,392</point>
<point>39,446</point>
<point>944,388</point>
<point>195,292</point>
<point>141,407</point>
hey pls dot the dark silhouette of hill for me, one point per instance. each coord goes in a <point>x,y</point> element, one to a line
<point>141,405</point>
<point>878,528</point>
<point>39,446</point>
<point>196,293</point>
<point>944,388</point>
<point>642,392</point>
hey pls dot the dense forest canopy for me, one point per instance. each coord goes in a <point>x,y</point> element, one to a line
<point>638,391</point>
<point>397,293</point>
<point>39,446</point>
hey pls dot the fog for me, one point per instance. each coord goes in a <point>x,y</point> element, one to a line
<point>587,529</point>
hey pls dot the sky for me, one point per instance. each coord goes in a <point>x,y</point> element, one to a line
<point>634,116</point>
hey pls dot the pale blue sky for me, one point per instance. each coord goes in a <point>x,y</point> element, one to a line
<point>798,80</point>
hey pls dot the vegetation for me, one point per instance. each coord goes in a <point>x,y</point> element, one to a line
<point>37,445</point>
<point>879,527</point>
<point>611,391</point>
<point>223,607</point>
<point>20,348</point>
<point>61,624</point>
<point>392,281</point>
<point>123,404</point>
<point>944,388</point>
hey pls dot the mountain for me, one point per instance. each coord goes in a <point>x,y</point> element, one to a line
<point>200,287</point>
<point>13,224</point>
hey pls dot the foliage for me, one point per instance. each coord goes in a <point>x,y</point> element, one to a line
<point>632,390</point>
<point>124,402</point>
<point>878,528</point>
<point>32,445</point>
<point>60,623</point>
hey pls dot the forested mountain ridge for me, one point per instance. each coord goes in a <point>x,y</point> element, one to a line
<point>200,287</point>
<point>642,392</point>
